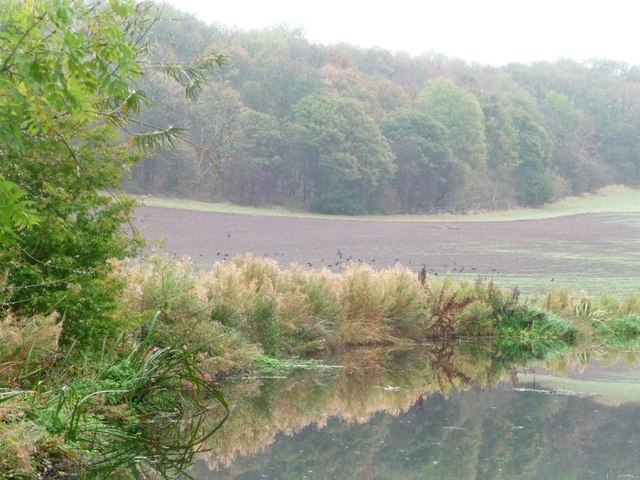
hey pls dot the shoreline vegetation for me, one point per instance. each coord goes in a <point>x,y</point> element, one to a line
<point>182,330</point>
<point>297,311</point>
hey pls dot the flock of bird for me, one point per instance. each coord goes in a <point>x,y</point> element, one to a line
<point>341,261</point>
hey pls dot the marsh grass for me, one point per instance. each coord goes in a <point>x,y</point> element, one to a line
<point>251,305</point>
<point>137,407</point>
<point>609,320</point>
<point>27,345</point>
<point>132,410</point>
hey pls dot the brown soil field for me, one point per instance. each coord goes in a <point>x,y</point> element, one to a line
<point>598,253</point>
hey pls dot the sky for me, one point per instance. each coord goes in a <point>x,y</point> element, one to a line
<point>493,32</point>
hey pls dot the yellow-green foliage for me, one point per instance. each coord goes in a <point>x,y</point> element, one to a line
<point>609,318</point>
<point>281,311</point>
<point>26,342</point>
<point>560,302</point>
<point>22,441</point>
<point>186,314</point>
<point>361,295</point>
<point>19,443</point>
<point>476,319</point>
<point>252,305</point>
<point>308,308</point>
<point>404,303</point>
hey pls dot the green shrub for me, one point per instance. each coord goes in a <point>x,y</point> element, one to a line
<point>339,202</point>
<point>621,330</point>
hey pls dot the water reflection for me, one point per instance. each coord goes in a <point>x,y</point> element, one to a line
<point>440,411</point>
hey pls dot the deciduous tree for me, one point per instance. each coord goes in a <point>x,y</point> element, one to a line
<point>67,81</point>
<point>345,156</point>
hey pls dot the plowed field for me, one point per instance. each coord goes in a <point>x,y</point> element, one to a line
<point>598,253</point>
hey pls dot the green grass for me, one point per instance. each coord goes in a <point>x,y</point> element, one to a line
<point>266,365</point>
<point>606,393</point>
<point>533,286</point>
<point>132,410</point>
<point>612,199</point>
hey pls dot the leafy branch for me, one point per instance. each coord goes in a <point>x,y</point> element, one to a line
<point>191,76</point>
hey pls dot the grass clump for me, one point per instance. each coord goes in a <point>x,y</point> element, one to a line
<point>622,331</point>
<point>188,316</point>
<point>20,441</point>
<point>27,344</point>
<point>252,305</point>
<point>609,319</point>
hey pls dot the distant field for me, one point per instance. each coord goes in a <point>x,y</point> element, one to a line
<point>598,252</point>
<point>613,199</point>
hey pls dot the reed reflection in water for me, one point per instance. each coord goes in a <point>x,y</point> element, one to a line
<point>438,411</point>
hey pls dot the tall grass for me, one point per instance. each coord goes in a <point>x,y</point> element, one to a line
<point>137,406</point>
<point>282,312</point>
<point>250,306</point>
<point>132,409</point>
<point>610,321</point>
<point>27,345</point>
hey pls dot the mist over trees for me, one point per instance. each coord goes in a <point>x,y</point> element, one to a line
<point>342,129</point>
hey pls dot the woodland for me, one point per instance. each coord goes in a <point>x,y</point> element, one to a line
<point>348,130</point>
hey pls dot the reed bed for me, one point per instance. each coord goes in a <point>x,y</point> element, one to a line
<point>250,306</point>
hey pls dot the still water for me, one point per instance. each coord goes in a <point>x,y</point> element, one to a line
<point>439,411</point>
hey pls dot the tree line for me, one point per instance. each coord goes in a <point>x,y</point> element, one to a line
<point>342,129</point>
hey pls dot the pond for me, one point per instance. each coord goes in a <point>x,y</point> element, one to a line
<point>435,411</point>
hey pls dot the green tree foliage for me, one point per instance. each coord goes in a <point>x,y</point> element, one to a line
<point>426,175</point>
<point>67,79</point>
<point>15,212</point>
<point>519,144</point>
<point>257,165</point>
<point>459,111</point>
<point>571,150</point>
<point>520,134</point>
<point>65,70</point>
<point>533,173</point>
<point>346,157</point>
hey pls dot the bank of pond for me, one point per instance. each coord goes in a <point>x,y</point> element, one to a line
<point>187,373</point>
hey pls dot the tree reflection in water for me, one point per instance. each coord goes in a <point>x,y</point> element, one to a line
<point>437,411</point>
